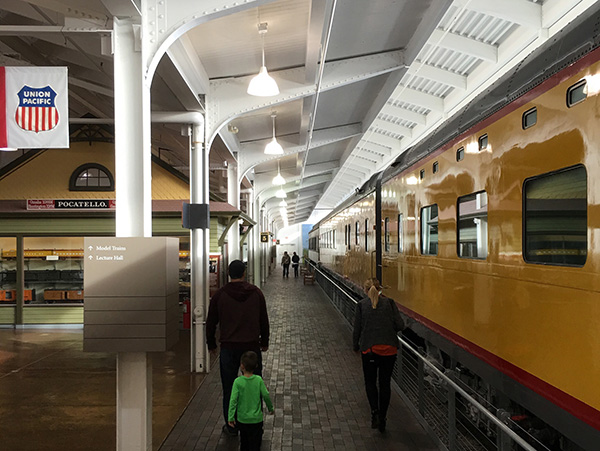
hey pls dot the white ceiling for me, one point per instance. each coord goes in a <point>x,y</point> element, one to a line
<point>394,71</point>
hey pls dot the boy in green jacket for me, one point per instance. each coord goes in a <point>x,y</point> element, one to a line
<point>247,395</point>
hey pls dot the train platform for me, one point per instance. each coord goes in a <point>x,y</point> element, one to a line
<point>315,381</point>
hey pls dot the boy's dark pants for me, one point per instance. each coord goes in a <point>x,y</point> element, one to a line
<point>250,436</point>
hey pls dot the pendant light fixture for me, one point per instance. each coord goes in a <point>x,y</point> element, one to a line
<point>280,194</point>
<point>283,203</point>
<point>263,85</point>
<point>278,179</point>
<point>273,147</point>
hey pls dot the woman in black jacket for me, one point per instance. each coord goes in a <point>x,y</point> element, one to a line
<point>376,325</point>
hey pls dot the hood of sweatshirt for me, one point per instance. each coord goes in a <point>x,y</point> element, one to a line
<point>240,291</point>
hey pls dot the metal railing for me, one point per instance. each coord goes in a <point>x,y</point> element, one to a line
<point>449,409</point>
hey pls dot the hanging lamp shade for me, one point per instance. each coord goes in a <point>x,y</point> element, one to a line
<point>263,85</point>
<point>278,179</point>
<point>273,147</point>
<point>281,194</point>
<point>283,203</point>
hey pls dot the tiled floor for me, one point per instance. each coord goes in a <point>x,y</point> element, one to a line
<point>54,396</point>
<point>316,384</point>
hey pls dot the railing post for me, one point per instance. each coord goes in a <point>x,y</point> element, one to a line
<point>503,441</point>
<point>451,418</point>
<point>421,383</point>
<point>400,364</point>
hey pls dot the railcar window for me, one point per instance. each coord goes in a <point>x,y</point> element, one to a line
<point>349,236</point>
<point>436,167</point>
<point>357,233</point>
<point>386,234</point>
<point>400,234</point>
<point>577,93</point>
<point>529,118</point>
<point>483,142</point>
<point>555,218</point>
<point>422,174</point>
<point>366,235</point>
<point>472,226</point>
<point>460,154</point>
<point>429,230</point>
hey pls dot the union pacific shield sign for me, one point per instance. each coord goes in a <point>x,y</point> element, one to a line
<point>34,108</point>
<point>37,109</point>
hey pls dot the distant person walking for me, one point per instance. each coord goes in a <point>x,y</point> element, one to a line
<point>285,262</point>
<point>240,310</point>
<point>247,395</point>
<point>376,324</point>
<point>295,264</point>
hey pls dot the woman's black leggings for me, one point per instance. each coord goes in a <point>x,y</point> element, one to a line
<point>378,367</point>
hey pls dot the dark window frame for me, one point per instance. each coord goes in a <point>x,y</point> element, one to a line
<point>527,114</point>
<point>400,233</point>
<point>460,154</point>
<point>458,228</point>
<point>525,216</point>
<point>386,232</point>
<point>75,175</point>
<point>421,230</point>
<point>480,141</point>
<point>366,234</point>
<point>573,88</point>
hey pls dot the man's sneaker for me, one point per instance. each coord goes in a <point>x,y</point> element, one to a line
<point>228,430</point>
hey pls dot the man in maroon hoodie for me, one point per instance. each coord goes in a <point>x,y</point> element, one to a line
<point>240,310</point>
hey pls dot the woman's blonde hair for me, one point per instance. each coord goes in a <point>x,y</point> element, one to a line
<point>373,289</point>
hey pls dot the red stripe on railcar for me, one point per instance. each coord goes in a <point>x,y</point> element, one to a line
<point>574,406</point>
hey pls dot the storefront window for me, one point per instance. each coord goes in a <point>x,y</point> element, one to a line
<point>53,270</point>
<point>8,279</point>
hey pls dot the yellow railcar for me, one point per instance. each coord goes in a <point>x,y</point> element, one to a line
<point>489,238</point>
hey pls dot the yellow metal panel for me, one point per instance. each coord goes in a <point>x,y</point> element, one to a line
<point>53,315</point>
<point>7,314</point>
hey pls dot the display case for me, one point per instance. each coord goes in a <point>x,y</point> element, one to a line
<point>53,271</point>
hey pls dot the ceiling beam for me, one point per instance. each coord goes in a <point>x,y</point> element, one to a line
<point>528,14</point>
<point>464,44</point>
<point>418,98</point>
<point>438,75</point>
<point>378,138</point>
<point>391,127</point>
<point>228,97</point>
<point>185,58</point>
<point>123,8</point>
<point>404,114</point>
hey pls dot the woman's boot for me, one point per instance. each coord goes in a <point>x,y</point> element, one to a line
<point>374,419</point>
<point>382,422</point>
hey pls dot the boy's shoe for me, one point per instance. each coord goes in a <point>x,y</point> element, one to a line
<point>228,430</point>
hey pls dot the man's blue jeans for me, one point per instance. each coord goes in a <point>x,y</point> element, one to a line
<point>230,369</point>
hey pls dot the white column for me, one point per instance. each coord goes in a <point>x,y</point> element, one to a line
<point>133,219</point>
<point>258,246</point>
<point>199,251</point>
<point>233,197</point>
